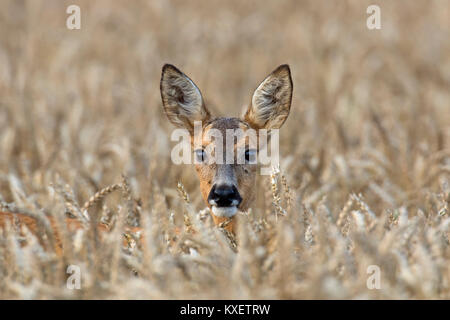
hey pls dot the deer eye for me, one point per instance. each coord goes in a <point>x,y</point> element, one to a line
<point>200,155</point>
<point>250,156</point>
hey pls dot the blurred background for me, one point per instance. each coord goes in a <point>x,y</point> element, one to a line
<point>370,111</point>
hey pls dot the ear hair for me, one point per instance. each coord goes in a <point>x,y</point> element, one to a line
<point>182,100</point>
<point>271,101</point>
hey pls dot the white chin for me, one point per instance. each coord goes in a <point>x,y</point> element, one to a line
<point>226,212</point>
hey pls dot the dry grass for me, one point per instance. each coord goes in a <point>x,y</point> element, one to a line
<point>365,169</point>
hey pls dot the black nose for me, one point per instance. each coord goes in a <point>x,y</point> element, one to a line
<point>224,196</point>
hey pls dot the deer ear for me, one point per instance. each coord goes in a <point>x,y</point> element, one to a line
<point>271,101</point>
<point>181,98</point>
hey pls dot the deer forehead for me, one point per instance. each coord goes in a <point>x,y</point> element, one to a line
<point>222,125</point>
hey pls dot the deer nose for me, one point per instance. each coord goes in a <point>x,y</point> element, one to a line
<point>224,196</point>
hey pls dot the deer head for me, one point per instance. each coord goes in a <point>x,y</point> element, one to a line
<point>226,167</point>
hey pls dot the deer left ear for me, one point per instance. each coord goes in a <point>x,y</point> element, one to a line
<point>271,101</point>
<point>181,98</point>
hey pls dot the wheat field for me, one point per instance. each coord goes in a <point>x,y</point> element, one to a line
<point>365,152</point>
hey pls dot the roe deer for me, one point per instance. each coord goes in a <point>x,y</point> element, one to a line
<point>226,187</point>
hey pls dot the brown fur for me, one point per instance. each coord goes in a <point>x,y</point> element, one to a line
<point>245,173</point>
<point>19,221</point>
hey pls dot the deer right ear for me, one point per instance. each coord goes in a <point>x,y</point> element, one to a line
<point>182,100</point>
<point>271,101</point>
